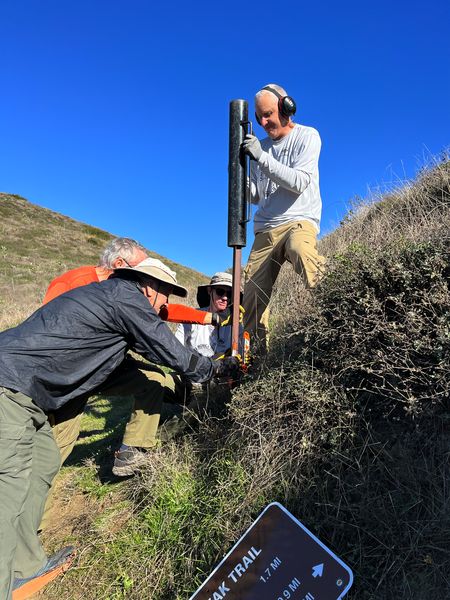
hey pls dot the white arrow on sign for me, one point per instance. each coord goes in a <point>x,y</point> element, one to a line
<point>317,570</point>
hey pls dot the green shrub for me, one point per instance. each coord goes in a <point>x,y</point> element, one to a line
<point>381,328</point>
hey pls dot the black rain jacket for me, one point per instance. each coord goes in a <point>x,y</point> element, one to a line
<point>69,346</point>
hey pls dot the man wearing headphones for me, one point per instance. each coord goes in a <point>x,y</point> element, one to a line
<point>285,186</point>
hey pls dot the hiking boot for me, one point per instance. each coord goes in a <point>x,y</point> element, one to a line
<point>55,565</point>
<point>128,460</point>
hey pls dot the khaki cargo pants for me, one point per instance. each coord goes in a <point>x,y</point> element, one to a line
<point>294,242</point>
<point>29,460</point>
<point>147,384</point>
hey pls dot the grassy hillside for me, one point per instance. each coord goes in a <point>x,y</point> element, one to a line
<point>37,244</point>
<point>345,422</point>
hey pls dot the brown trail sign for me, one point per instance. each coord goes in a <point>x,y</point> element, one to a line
<point>277,558</point>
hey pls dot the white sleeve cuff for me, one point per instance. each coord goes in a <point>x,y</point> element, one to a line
<point>264,159</point>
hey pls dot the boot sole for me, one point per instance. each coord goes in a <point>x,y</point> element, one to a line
<point>28,589</point>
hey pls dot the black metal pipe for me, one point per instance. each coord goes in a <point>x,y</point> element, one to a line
<point>237,175</point>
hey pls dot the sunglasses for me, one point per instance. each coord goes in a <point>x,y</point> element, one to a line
<point>223,292</point>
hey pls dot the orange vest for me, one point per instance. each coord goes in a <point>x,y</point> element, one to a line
<point>70,280</point>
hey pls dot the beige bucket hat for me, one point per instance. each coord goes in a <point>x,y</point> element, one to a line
<point>154,268</point>
<point>217,280</point>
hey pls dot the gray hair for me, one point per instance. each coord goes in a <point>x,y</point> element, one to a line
<point>120,247</point>
<point>275,87</point>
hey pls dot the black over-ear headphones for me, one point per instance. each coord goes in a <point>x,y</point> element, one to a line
<point>286,104</point>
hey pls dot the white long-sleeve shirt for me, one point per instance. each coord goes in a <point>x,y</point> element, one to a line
<point>285,180</point>
<point>206,340</point>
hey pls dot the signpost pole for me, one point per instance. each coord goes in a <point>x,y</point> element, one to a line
<point>237,205</point>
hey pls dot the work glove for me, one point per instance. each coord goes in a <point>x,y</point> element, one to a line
<point>252,146</point>
<point>228,367</point>
<point>223,318</point>
<point>246,359</point>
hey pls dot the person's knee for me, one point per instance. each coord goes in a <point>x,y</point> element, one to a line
<point>66,434</point>
<point>301,243</point>
<point>151,376</point>
<point>301,248</point>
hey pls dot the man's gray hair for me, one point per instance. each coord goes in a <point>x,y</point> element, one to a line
<point>275,87</point>
<point>120,247</point>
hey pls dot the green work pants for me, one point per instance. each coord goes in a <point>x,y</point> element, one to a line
<point>29,460</point>
<point>149,387</point>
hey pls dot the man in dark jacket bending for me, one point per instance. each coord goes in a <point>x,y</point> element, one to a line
<point>64,352</point>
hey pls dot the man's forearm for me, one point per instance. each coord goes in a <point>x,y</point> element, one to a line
<point>179,313</point>
<point>294,180</point>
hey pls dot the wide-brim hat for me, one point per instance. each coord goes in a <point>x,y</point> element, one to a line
<point>217,280</point>
<point>154,268</point>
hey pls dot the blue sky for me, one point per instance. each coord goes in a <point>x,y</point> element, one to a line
<point>116,113</point>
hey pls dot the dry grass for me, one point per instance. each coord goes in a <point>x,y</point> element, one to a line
<point>415,211</point>
<point>37,244</point>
